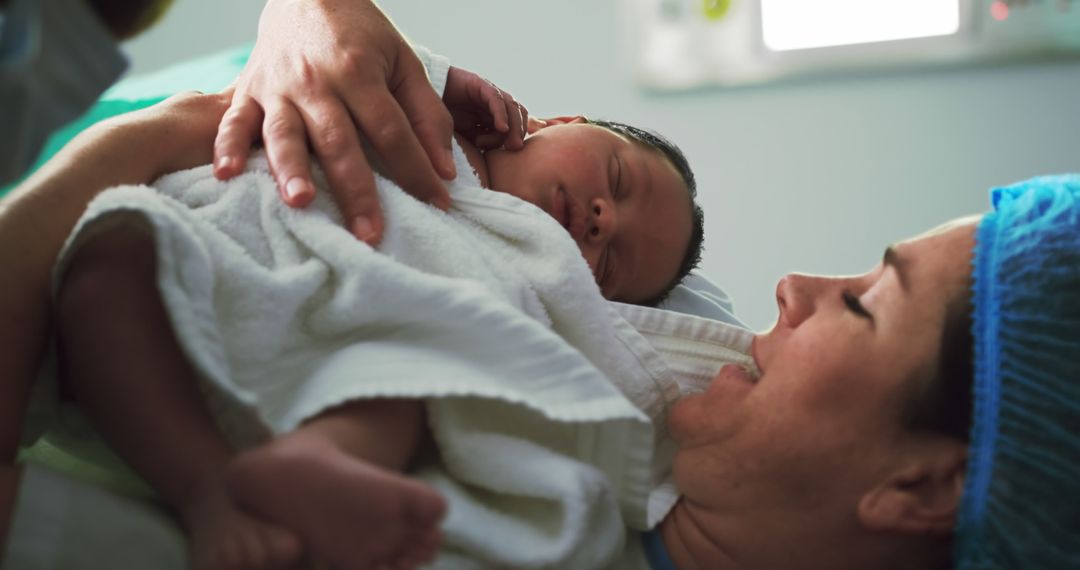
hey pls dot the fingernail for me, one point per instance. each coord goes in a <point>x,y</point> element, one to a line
<point>362,228</point>
<point>295,187</point>
<point>224,163</point>
<point>449,170</point>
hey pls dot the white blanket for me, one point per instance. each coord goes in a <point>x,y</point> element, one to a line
<point>489,312</point>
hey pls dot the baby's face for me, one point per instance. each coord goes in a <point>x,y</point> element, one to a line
<point>623,203</point>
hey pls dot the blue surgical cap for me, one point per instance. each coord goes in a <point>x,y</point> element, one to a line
<point>1021,502</point>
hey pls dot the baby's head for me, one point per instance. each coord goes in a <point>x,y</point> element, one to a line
<point>624,194</point>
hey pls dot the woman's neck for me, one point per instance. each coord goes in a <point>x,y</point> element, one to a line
<point>687,542</point>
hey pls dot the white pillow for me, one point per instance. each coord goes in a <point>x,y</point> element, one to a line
<point>697,295</point>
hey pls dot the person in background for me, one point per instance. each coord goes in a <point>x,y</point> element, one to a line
<point>56,57</point>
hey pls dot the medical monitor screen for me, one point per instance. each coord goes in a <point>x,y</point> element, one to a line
<point>805,24</point>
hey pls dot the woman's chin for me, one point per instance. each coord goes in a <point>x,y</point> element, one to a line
<point>700,415</point>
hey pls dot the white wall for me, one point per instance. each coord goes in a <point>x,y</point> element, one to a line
<point>193,28</point>
<point>816,177</point>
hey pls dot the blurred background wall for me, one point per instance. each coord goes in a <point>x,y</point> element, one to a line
<point>816,176</point>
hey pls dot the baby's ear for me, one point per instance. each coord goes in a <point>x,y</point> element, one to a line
<point>537,124</point>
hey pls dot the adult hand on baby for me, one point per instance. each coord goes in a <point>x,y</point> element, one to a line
<point>319,70</point>
<point>486,115</point>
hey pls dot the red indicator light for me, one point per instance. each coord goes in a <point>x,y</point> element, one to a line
<point>999,11</point>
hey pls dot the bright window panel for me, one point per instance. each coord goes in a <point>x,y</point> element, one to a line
<point>804,24</point>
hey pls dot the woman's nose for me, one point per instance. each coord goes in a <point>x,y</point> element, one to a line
<point>601,222</point>
<point>798,295</point>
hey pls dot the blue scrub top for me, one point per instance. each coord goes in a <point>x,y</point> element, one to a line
<point>655,551</point>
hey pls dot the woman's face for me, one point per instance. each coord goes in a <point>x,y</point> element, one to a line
<point>823,421</point>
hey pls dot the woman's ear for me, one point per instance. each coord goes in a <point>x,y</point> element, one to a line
<point>922,495</point>
<point>537,124</point>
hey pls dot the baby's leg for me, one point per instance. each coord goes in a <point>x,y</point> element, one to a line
<point>334,481</point>
<point>121,361</point>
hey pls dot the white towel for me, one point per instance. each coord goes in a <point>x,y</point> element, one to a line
<point>489,312</point>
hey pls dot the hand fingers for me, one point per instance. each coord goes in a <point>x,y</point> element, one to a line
<point>487,140</point>
<point>524,121</point>
<point>287,151</point>
<point>497,104</point>
<point>337,145</point>
<point>236,134</point>
<point>515,137</point>
<point>428,118</point>
<point>390,124</point>
<point>507,115</point>
<point>466,119</point>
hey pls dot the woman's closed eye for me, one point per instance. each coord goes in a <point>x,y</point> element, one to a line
<point>855,306</point>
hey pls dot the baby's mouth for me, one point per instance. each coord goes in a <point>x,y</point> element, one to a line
<point>739,372</point>
<point>572,218</point>
<point>565,211</point>
<point>560,208</point>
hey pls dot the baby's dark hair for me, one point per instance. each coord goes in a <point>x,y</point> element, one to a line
<point>692,256</point>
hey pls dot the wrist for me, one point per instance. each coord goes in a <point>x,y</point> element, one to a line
<point>111,144</point>
<point>176,134</point>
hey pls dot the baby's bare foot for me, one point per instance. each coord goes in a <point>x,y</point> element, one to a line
<point>349,512</point>
<point>222,536</point>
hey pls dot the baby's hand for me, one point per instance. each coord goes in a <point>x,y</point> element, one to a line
<point>486,115</point>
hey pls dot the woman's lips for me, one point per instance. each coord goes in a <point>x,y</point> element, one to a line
<point>575,218</point>
<point>736,372</point>
<point>731,383</point>
<point>755,354</point>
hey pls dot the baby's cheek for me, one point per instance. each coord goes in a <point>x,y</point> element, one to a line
<point>590,260</point>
